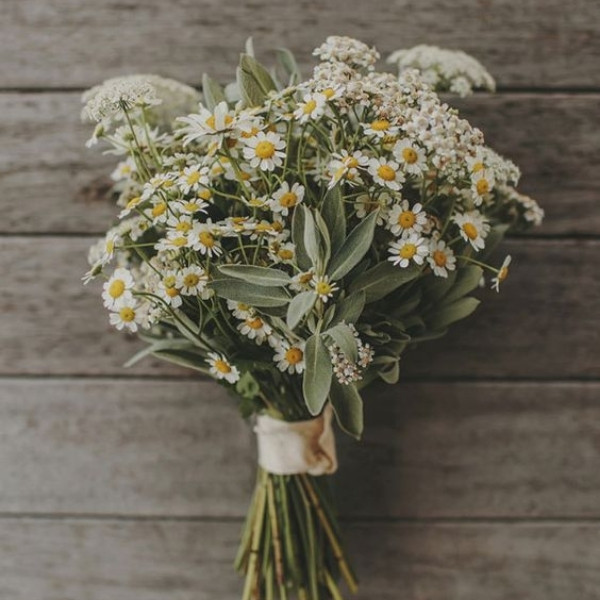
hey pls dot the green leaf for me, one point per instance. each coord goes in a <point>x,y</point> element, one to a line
<point>263,276</point>
<point>451,313</point>
<point>298,224</point>
<point>348,407</point>
<point>318,373</point>
<point>299,307</point>
<point>184,358</point>
<point>287,61</point>
<point>247,386</point>
<point>254,80</point>
<point>212,92</point>
<point>435,288</point>
<point>311,238</point>
<point>408,305</point>
<point>334,215</point>
<point>350,308</point>
<point>493,239</point>
<point>467,280</point>
<point>249,47</point>
<point>354,248</point>
<point>383,279</point>
<point>390,373</point>
<point>324,239</point>
<point>240,291</point>
<point>168,344</point>
<point>343,337</point>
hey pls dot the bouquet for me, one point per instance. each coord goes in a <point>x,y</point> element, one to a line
<point>291,239</point>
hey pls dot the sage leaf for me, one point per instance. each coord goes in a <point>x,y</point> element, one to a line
<point>254,80</point>
<point>288,63</point>
<point>311,238</point>
<point>350,308</point>
<point>334,216</point>
<point>257,275</point>
<point>318,373</point>
<point>348,408</point>
<point>342,336</point>
<point>241,291</point>
<point>467,280</point>
<point>298,223</point>
<point>212,92</point>
<point>383,279</point>
<point>299,307</point>
<point>354,248</point>
<point>451,313</point>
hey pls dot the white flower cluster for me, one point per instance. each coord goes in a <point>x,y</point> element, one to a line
<point>342,49</point>
<point>444,70</point>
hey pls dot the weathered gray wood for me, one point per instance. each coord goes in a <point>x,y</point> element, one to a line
<point>154,560</point>
<point>541,325</point>
<point>78,42</point>
<point>51,182</point>
<point>140,448</point>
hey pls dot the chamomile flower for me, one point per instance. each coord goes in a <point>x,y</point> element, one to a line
<point>441,258</point>
<point>158,212</point>
<point>286,198</point>
<point>290,357</point>
<point>180,223</point>
<point>482,183</point>
<point>502,274</point>
<point>175,240</point>
<point>124,170</point>
<point>473,228</point>
<point>193,178</point>
<point>386,173</point>
<point>206,123</point>
<point>240,310</point>
<point>168,291</point>
<point>301,282</point>
<point>192,280</point>
<point>312,108</point>
<point>411,248</point>
<point>202,238</point>
<point>256,329</point>
<point>404,219</point>
<point>265,151</point>
<point>282,253</point>
<point>160,182</point>
<point>410,156</point>
<point>126,316</point>
<point>117,290</point>
<point>380,128</point>
<point>324,288</point>
<point>345,166</point>
<point>221,368</point>
<point>191,206</point>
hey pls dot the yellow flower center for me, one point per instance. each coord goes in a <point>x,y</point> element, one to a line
<point>380,125</point>
<point>242,306</point>
<point>407,219</point>
<point>470,230</point>
<point>478,166</point>
<point>190,206</point>
<point>323,288</point>
<point>255,323</point>
<point>285,254</point>
<point>251,133</point>
<point>409,155</point>
<point>205,194</point>
<point>222,366</point>
<point>159,209</point>
<point>184,226</point>
<point>172,292</point>
<point>167,183</point>
<point>116,288</point>
<point>288,199</point>
<point>169,281</point>
<point>503,274</point>
<point>408,251</point>
<point>386,173</point>
<point>109,246</point>
<point>439,258</point>
<point>127,314</point>
<point>193,177</point>
<point>133,202</point>
<point>309,107</point>
<point>210,122</point>
<point>294,356</point>
<point>262,227</point>
<point>328,93</point>
<point>206,239</point>
<point>351,162</point>
<point>305,278</point>
<point>191,280</point>
<point>483,186</point>
<point>264,149</point>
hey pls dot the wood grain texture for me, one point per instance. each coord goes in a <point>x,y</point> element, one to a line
<point>430,451</point>
<point>543,43</point>
<point>51,183</point>
<point>153,560</point>
<point>540,326</point>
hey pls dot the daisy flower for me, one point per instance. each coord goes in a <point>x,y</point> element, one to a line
<point>386,173</point>
<point>410,156</point>
<point>345,166</point>
<point>380,128</point>
<point>117,290</point>
<point>286,198</point>
<point>167,290</point>
<point>410,248</point>
<point>202,239</point>
<point>473,228</point>
<point>502,274</point>
<point>256,329</point>
<point>313,107</point>
<point>191,206</point>
<point>124,170</point>
<point>302,281</point>
<point>441,258</point>
<point>180,223</point>
<point>192,280</point>
<point>290,357</point>
<point>174,241</point>
<point>192,178</point>
<point>132,203</point>
<point>324,288</point>
<point>206,123</point>
<point>221,368</point>
<point>240,310</point>
<point>403,219</point>
<point>264,151</point>
<point>158,212</point>
<point>161,181</point>
<point>126,316</point>
<point>482,183</point>
<point>282,252</point>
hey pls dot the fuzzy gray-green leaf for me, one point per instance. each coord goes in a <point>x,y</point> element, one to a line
<point>298,224</point>
<point>262,276</point>
<point>318,373</point>
<point>241,291</point>
<point>212,92</point>
<point>448,314</point>
<point>350,308</point>
<point>383,279</point>
<point>334,215</point>
<point>467,280</point>
<point>348,407</point>
<point>342,336</point>
<point>299,308</point>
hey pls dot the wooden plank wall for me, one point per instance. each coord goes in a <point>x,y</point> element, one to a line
<point>478,476</point>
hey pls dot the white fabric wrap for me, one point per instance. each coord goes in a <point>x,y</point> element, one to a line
<point>290,448</point>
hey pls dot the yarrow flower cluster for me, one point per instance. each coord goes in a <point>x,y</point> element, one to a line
<point>268,227</point>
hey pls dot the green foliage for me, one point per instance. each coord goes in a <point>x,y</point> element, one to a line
<point>317,374</point>
<point>348,407</point>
